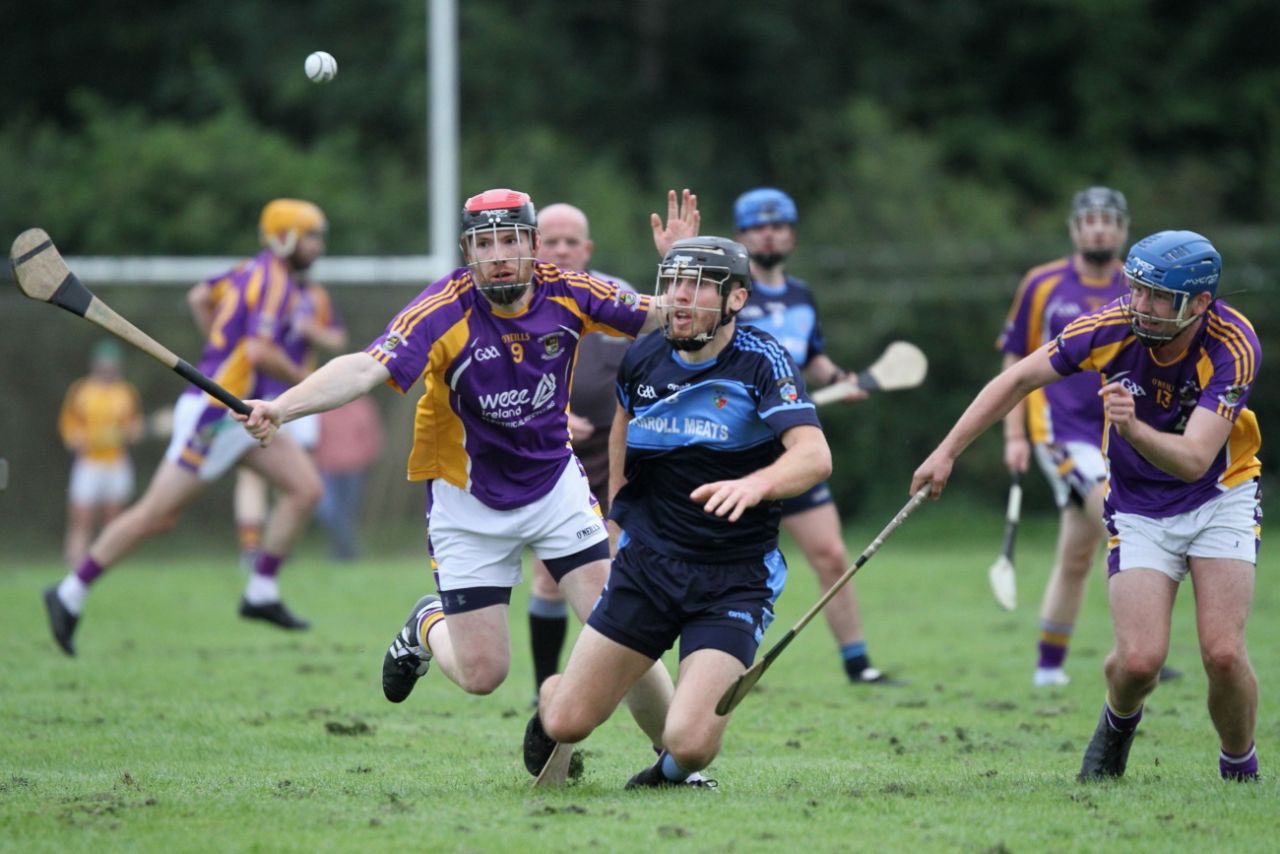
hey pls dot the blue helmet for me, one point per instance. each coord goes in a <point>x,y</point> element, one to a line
<point>1180,265</point>
<point>761,206</point>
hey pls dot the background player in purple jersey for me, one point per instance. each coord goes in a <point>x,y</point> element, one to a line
<point>1063,421</point>
<point>314,326</point>
<point>245,343</point>
<point>712,429</point>
<point>1177,368</point>
<point>565,241</point>
<point>784,306</point>
<point>494,343</point>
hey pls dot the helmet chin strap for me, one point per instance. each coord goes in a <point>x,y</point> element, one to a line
<point>503,294</point>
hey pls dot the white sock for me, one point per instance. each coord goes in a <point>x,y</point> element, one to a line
<point>72,591</point>
<point>262,590</point>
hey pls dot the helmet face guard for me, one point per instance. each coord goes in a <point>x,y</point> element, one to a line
<point>284,221</point>
<point>706,262</point>
<point>1175,267</point>
<point>502,225</point>
<point>1099,201</point>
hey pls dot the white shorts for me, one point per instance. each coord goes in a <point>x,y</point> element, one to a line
<point>94,483</point>
<point>1073,469</point>
<point>476,546</point>
<point>305,431</point>
<point>219,446</point>
<point>1228,526</point>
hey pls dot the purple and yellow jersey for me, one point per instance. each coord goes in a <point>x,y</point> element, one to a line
<point>252,300</point>
<point>1049,297</point>
<point>493,417</point>
<point>313,301</point>
<point>1216,372</point>
<point>789,313</point>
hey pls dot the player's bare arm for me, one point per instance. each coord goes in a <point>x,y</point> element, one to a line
<point>270,358</point>
<point>1017,449</point>
<point>200,303</point>
<point>1186,456</point>
<point>331,339</point>
<point>617,461</point>
<point>995,401</point>
<point>338,381</point>
<point>805,461</point>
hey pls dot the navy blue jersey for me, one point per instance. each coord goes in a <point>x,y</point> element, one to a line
<point>699,423</point>
<point>788,313</point>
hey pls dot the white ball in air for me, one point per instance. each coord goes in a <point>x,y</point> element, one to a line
<point>321,67</point>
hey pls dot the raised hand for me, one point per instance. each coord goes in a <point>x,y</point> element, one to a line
<point>683,220</point>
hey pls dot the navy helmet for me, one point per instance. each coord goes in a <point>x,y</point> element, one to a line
<point>761,206</point>
<point>717,261</point>
<point>1178,265</point>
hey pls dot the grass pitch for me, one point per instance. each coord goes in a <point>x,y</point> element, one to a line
<point>182,728</point>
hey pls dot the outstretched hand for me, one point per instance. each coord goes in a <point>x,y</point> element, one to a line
<point>262,422</point>
<point>683,220</point>
<point>731,498</point>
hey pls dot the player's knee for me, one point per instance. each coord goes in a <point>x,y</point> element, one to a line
<point>693,754</point>
<point>483,676</point>
<point>1141,665</point>
<point>308,489</point>
<point>830,560</point>
<point>565,724</point>
<point>1223,660</point>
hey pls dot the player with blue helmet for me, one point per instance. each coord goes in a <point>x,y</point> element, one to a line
<point>784,306</point>
<point>1177,366</point>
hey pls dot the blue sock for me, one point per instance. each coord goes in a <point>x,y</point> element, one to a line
<point>671,770</point>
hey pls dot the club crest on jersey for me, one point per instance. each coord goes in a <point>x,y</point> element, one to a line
<point>391,342</point>
<point>626,297</point>
<point>719,399</point>
<point>550,345</point>
<point>1231,397</point>
<point>788,391</point>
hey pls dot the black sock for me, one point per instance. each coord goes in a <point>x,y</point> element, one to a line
<point>546,639</point>
<point>856,664</point>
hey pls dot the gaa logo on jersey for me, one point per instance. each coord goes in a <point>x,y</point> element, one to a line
<point>550,345</point>
<point>788,391</point>
<point>626,297</point>
<point>392,341</point>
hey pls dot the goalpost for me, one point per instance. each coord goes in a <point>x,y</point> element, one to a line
<point>442,196</point>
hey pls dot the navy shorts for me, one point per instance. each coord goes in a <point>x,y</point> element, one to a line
<point>814,497</point>
<point>651,599</point>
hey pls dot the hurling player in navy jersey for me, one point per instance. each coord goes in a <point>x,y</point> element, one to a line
<point>712,429</point>
<point>783,305</point>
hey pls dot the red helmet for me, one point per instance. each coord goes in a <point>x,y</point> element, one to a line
<point>489,213</point>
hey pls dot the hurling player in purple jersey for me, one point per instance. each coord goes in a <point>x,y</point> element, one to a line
<point>494,344</point>
<point>244,344</point>
<point>314,326</point>
<point>783,305</point>
<point>1062,422</point>
<point>712,429</point>
<point>1177,366</point>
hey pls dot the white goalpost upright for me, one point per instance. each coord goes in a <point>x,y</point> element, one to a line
<point>441,194</point>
